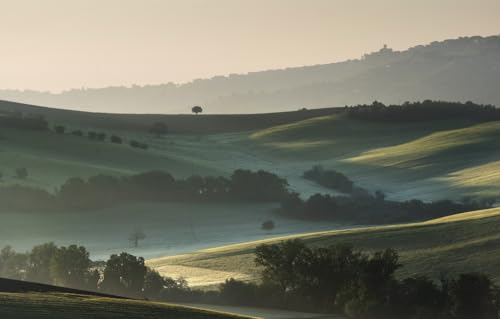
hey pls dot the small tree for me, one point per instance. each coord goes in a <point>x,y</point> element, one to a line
<point>136,236</point>
<point>268,225</point>
<point>116,139</point>
<point>21,173</point>
<point>197,109</point>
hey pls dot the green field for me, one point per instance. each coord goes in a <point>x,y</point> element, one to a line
<point>467,242</point>
<point>68,306</point>
<point>426,160</point>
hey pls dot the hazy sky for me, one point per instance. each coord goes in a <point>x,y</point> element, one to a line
<point>61,44</point>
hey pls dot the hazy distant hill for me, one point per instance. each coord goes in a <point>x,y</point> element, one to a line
<point>460,70</point>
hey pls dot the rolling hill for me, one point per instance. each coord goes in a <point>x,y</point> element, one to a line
<point>457,69</point>
<point>26,300</point>
<point>466,242</point>
<point>67,306</point>
<point>426,160</point>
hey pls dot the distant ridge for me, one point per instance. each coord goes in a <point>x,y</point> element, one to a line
<point>462,69</point>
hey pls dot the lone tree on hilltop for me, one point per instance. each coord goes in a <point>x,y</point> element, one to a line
<point>197,109</point>
<point>136,236</point>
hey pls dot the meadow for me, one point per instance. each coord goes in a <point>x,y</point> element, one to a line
<point>427,160</point>
<point>170,228</point>
<point>467,242</point>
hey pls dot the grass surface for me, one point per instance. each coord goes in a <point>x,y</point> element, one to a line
<point>67,306</point>
<point>426,160</point>
<point>465,242</point>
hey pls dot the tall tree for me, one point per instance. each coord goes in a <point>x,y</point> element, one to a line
<point>124,274</point>
<point>40,259</point>
<point>70,266</point>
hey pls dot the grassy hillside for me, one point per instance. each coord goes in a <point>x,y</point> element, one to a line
<point>67,306</point>
<point>466,242</point>
<point>428,160</point>
<point>177,123</point>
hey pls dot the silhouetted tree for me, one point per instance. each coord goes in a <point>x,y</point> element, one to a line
<point>77,133</point>
<point>116,139</point>
<point>472,296</point>
<point>282,262</point>
<point>136,236</point>
<point>153,284</point>
<point>39,265</point>
<point>124,274</point>
<point>196,109</point>
<point>70,266</point>
<point>12,263</point>
<point>92,282</point>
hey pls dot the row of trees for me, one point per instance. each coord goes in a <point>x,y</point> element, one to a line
<point>24,121</point>
<point>423,111</point>
<point>157,129</point>
<point>363,207</point>
<point>243,185</point>
<point>102,191</point>
<point>340,279</point>
<point>123,274</point>
<point>330,179</point>
<point>333,279</point>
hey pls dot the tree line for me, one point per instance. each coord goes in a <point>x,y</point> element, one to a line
<point>122,274</point>
<point>366,208</point>
<point>330,179</point>
<point>359,285</point>
<point>23,121</point>
<point>333,279</point>
<point>102,190</point>
<point>423,111</point>
<point>359,205</point>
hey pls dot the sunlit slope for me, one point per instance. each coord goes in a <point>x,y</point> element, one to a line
<point>428,160</point>
<point>67,306</point>
<point>460,243</point>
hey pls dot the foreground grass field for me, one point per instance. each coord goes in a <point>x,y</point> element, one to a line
<point>466,242</point>
<point>67,306</point>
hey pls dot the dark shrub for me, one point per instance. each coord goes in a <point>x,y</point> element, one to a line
<point>116,139</point>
